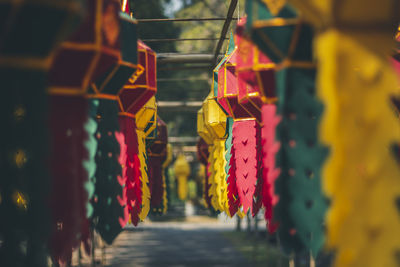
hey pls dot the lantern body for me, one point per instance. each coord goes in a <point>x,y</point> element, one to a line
<point>227,89</point>
<point>159,147</point>
<point>202,130</point>
<point>125,67</point>
<point>138,90</point>
<point>94,45</point>
<point>202,151</point>
<point>256,77</point>
<point>214,118</point>
<point>145,116</point>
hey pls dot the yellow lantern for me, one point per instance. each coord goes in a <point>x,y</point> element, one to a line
<point>215,117</point>
<point>182,171</point>
<point>201,127</point>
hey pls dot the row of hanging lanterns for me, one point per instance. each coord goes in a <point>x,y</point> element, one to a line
<point>298,133</point>
<point>83,134</point>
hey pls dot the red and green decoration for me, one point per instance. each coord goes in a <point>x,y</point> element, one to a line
<point>256,78</point>
<point>24,63</point>
<point>245,150</point>
<point>301,206</point>
<point>157,154</point>
<point>107,209</point>
<point>86,55</point>
<point>132,97</point>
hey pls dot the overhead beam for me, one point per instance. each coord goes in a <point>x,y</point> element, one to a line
<point>181,19</point>
<point>225,28</point>
<point>182,139</point>
<point>199,67</point>
<point>179,104</point>
<point>178,40</point>
<point>166,58</point>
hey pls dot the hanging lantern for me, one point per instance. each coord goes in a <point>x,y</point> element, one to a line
<point>131,98</point>
<point>201,127</point>
<point>245,132</point>
<point>299,213</point>
<point>256,76</point>
<point>182,171</point>
<point>95,45</point>
<point>144,122</point>
<point>138,90</point>
<point>215,122</point>
<point>157,154</point>
<point>30,32</point>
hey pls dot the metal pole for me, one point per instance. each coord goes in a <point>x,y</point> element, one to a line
<point>222,37</point>
<point>181,19</point>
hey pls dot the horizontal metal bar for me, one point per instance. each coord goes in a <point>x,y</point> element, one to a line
<point>202,67</point>
<point>183,19</point>
<point>179,40</point>
<point>182,79</point>
<point>182,139</point>
<point>164,58</point>
<point>179,104</point>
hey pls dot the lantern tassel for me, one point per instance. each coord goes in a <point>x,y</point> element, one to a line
<point>131,170</point>
<point>270,172</point>
<point>245,146</point>
<point>144,176</point>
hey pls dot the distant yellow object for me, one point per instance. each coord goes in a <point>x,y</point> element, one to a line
<point>182,171</point>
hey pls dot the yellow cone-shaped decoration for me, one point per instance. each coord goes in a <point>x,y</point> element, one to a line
<point>215,121</point>
<point>356,82</point>
<point>182,171</point>
<point>144,119</point>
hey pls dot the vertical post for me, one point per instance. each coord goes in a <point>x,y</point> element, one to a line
<point>238,224</point>
<point>79,256</point>
<point>248,222</point>
<point>93,249</point>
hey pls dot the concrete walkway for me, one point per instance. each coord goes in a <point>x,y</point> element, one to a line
<point>193,243</point>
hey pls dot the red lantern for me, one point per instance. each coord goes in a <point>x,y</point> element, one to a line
<point>131,98</point>
<point>256,75</point>
<point>88,53</point>
<point>245,136</point>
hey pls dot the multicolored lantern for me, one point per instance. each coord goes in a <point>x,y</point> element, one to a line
<point>256,74</point>
<point>157,154</point>
<point>131,98</point>
<point>256,81</point>
<point>31,30</point>
<point>215,122</point>
<point>245,131</point>
<point>354,72</point>
<point>300,213</point>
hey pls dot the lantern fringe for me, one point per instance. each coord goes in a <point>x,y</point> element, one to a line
<point>257,198</point>
<point>131,169</point>
<point>144,176</point>
<point>107,209</point>
<point>206,192</point>
<point>270,172</point>
<point>245,146</point>
<point>361,176</point>
<point>68,199</point>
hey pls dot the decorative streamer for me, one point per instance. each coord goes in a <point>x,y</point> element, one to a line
<point>256,80</point>
<point>301,206</point>
<point>83,65</point>
<point>131,98</point>
<point>246,173</point>
<point>24,184</point>
<point>145,124</point>
<point>107,209</point>
<point>361,174</point>
<point>157,154</point>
